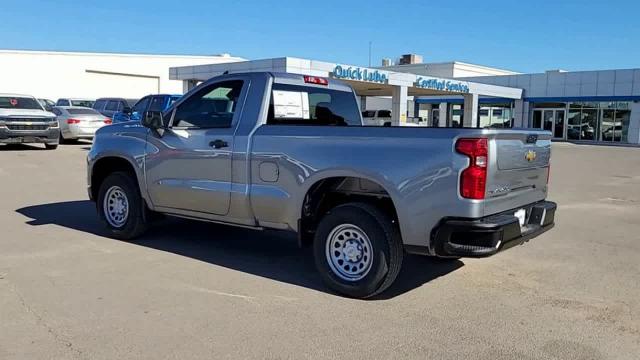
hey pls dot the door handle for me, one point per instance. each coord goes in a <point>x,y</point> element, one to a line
<point>218,144</point>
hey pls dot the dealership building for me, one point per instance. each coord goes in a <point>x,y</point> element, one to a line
<point>582,106</point>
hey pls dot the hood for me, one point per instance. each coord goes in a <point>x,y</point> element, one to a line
<point>25,112</point>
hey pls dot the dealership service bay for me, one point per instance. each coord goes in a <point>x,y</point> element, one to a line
<point>191,290</point>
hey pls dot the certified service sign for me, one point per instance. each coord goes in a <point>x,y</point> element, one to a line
<point>442,85</point>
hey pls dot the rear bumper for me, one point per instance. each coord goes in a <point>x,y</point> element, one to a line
<point>486,236</point>
<point>77,132</point>
<point>49,136</point>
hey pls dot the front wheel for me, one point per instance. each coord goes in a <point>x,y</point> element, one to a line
<point>121,207</point>
<point>50,146</point>
<point>358,250</point>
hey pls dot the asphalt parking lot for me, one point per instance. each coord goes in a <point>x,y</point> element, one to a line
<point>191,290</point>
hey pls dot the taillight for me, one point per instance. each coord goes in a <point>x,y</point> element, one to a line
<point>473,181</point>
<point>108,121</point>
<point>73,121</point>
<point>316,80</point>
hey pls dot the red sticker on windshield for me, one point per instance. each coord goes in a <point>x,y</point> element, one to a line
<point>14,102</point>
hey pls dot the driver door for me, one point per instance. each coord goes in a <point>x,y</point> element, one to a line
<point>188,167</point>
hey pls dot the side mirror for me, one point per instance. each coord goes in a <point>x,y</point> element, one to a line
<point>153,120</point>
<point>127,110</point>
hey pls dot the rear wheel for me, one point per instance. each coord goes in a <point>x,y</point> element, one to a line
<point>121,207</point>
<point>358,250</point>
<point>61,138</point>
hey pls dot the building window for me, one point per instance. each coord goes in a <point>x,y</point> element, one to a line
<point>495,116</point>
<point>604,121</point>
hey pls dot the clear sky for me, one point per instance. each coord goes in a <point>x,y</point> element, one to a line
<point>527,36</point>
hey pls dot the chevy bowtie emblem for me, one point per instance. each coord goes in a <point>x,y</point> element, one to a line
<point>530,155</point>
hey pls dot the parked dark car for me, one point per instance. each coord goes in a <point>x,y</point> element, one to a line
<point>159,102</point>
<point>110,106</point>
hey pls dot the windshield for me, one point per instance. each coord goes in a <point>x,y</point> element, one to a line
<point>172,100</point>
<point>84,103</point>
<point>82,112</point>
<point>16,102</point>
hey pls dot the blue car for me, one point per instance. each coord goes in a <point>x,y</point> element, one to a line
<point>159,102</point>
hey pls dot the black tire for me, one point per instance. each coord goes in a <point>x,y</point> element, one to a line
<point>50,146</point>
<point>385,240</point>
<point>135,223</point>
<point>61,138</point>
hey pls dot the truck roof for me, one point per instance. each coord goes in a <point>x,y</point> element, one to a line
<point>293,79</point>
<point>16,95</point>
<point>281,77</point>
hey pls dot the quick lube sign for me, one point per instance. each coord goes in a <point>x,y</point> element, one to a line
<point>442,85</point>
<point>356,73</point>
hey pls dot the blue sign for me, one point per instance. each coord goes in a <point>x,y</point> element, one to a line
<point>356,73</point>
<point>442,85</point>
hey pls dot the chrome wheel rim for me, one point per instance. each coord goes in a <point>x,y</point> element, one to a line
<point>116,207</point>
<point>349,252</point>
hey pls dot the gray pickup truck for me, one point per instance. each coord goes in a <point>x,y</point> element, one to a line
<point>289,152</point>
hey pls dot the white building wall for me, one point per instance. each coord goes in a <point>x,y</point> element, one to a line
<point>377,103</point>
<point>452,69</point>
<point>54,75</point>
<point>461,69</point>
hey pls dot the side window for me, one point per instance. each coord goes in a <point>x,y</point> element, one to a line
<point>99,105</point>
<point>60,102</point>
<point>306,105</point>
<point>157,103</point>
<point>211,107</point>
<point>141,105</point>
<point>384,113</point>
<point>112,105</point>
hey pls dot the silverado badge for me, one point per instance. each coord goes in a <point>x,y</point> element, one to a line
<point>530,155</point>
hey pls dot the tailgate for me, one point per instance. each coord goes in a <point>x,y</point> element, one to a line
<point>518,169</point>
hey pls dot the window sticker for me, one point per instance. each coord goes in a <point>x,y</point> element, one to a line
<point>14,102</point>
<point>290,104</point>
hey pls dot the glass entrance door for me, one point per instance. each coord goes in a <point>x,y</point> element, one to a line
<point>551,120</point>
<point>558,124</point>
<point>435,117</point>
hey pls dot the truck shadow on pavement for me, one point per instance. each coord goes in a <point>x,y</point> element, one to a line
<point>270,254</point>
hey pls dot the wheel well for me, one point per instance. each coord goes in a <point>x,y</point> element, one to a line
<point>331,192</point>
<point>105,166</point>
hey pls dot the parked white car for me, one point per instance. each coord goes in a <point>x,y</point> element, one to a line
<point>78,122</point>
<point>376,117</point>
